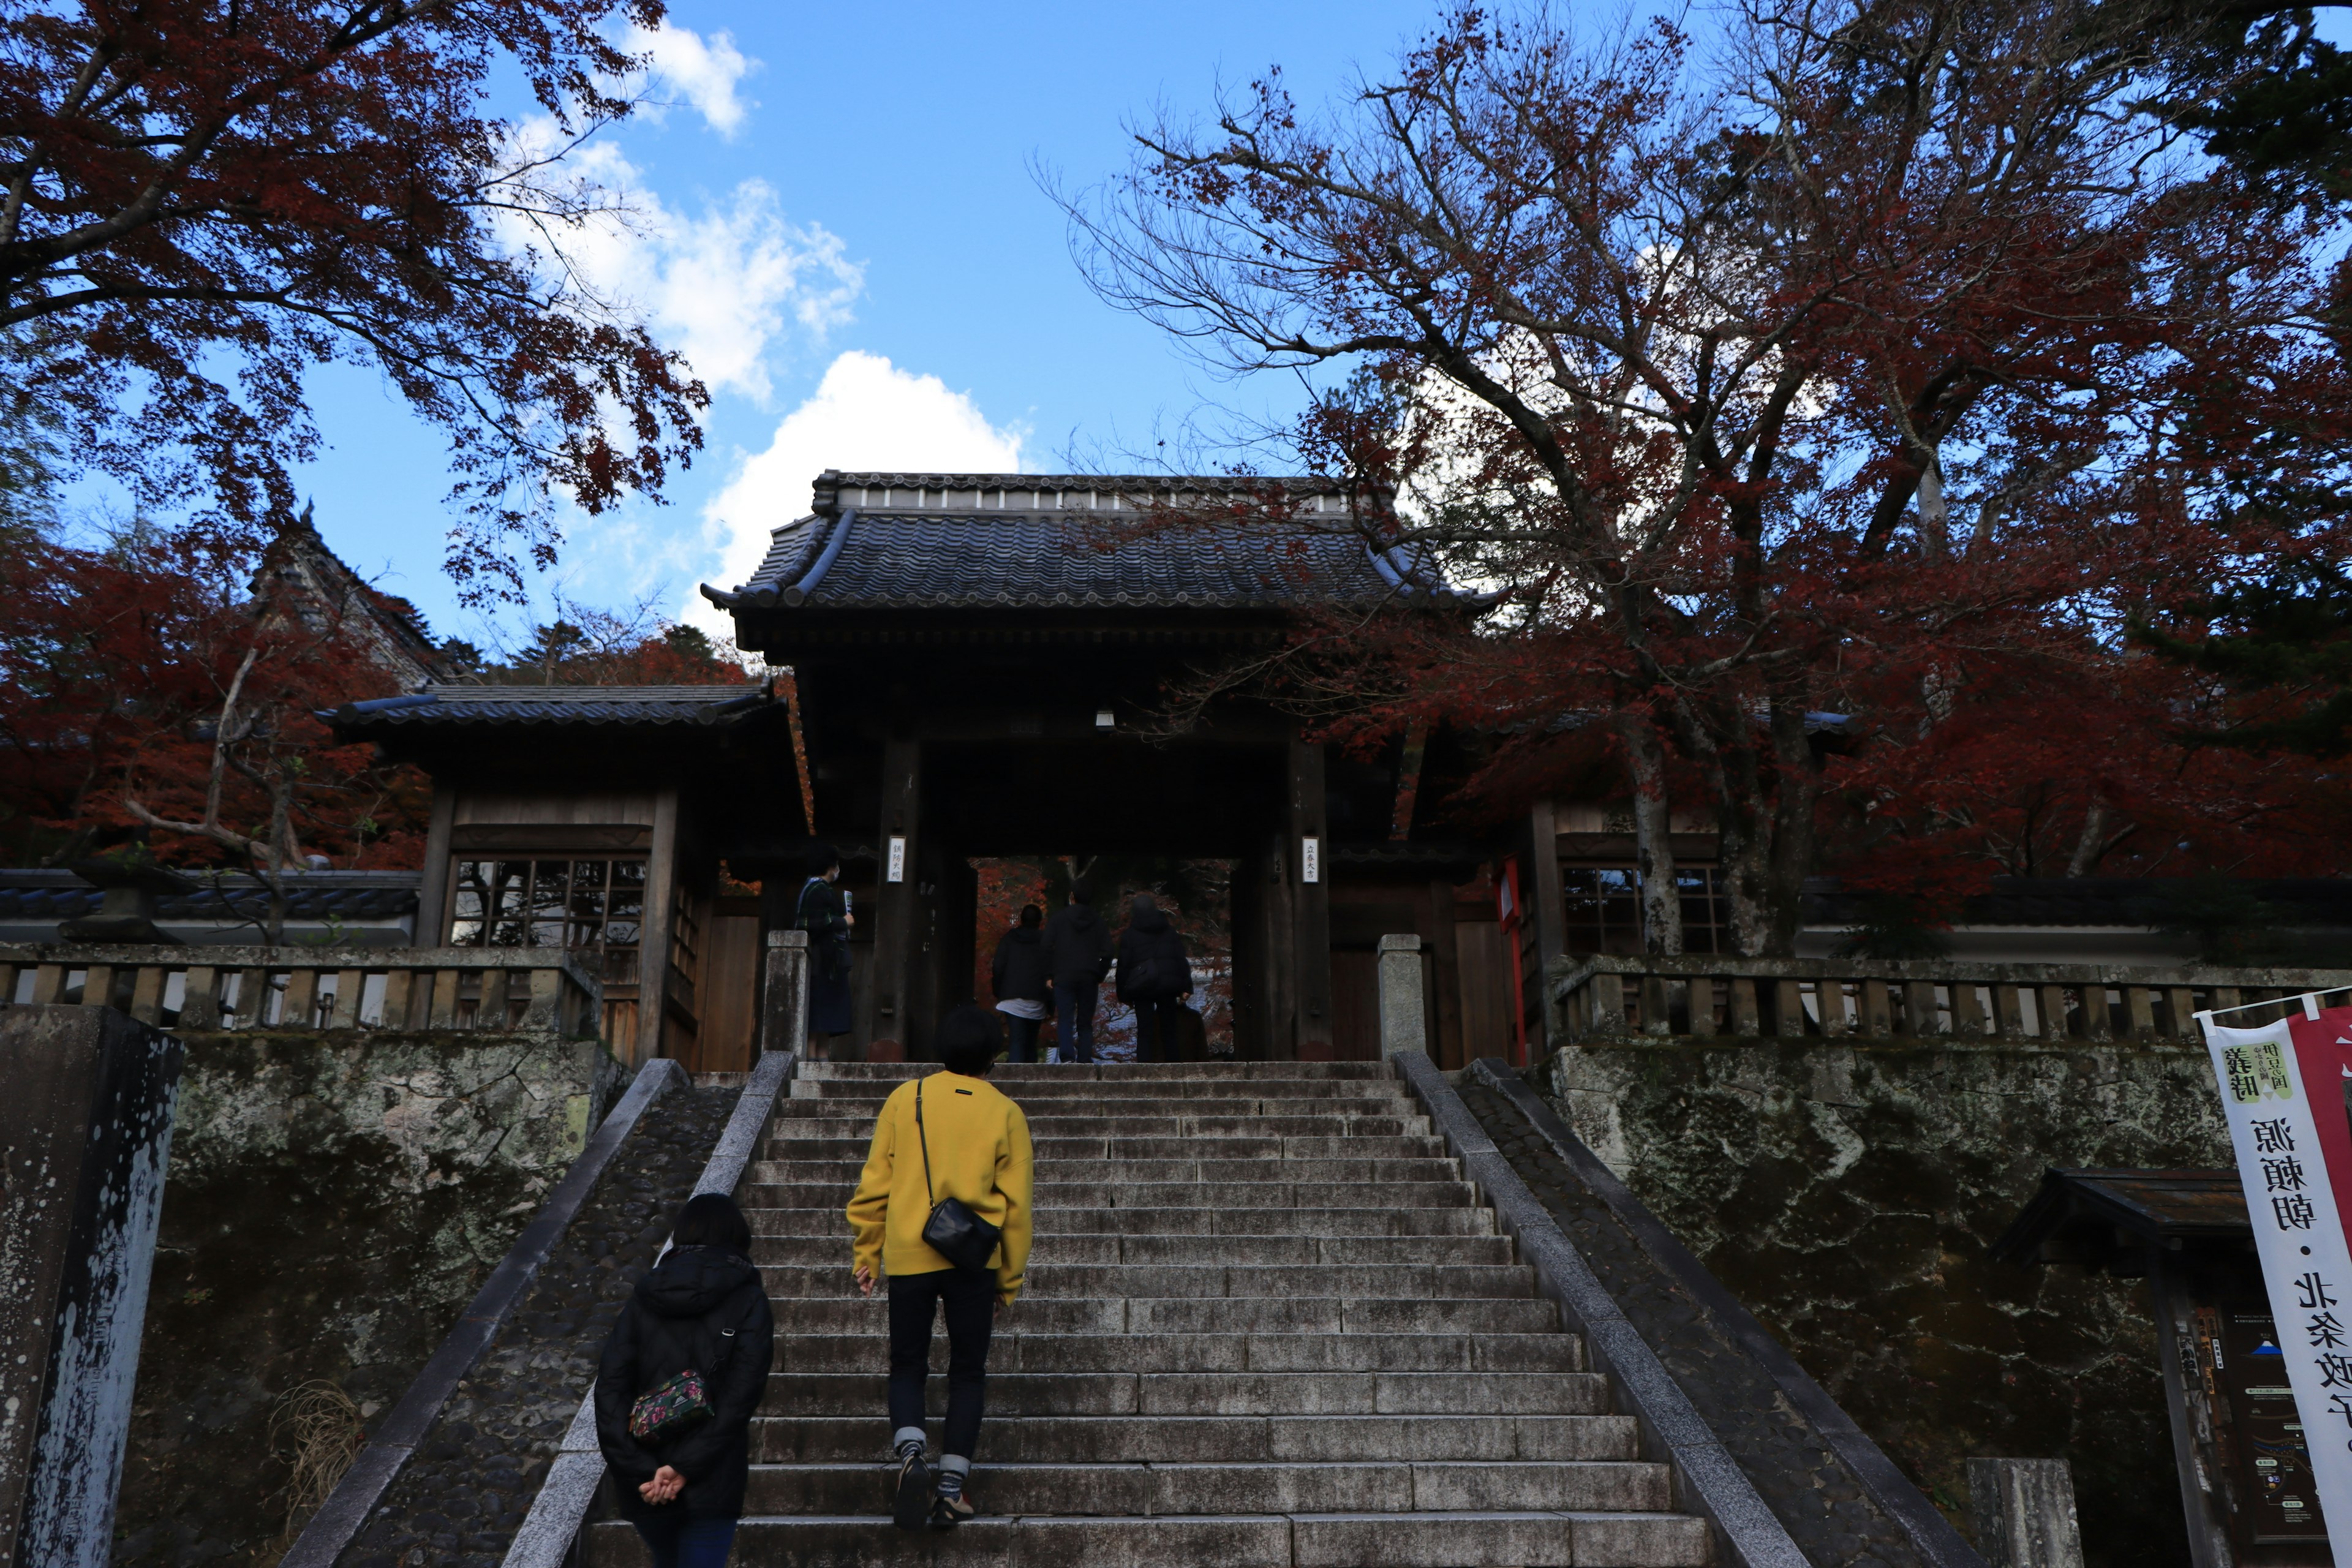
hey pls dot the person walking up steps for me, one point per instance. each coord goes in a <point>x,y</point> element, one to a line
<point>941,1211</point>
<point>1077,956</point>
<point>1017,975</point>
<point>683,1370</point>
<point>1154,978</point>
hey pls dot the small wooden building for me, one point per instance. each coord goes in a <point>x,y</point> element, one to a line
<point>2237,1440</point>
<point>980,664</point>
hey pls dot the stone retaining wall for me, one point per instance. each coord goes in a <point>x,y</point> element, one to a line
<point>333,1200</point>
<point>472,1479</point>
<point>1847,1196</point>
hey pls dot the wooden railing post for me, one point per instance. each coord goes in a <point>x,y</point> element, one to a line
<point>2008,1011</point>
<point>98,986</point>
<point>200,999</point>
<point>350,989</point>
<point>302,1008</point>
<point>147,985</point>
<point>2096,1024</point>
<point>1922,1019</point>
<point>545,1010</point>
<point>1745,1023</point>
<point>1608,1004</point>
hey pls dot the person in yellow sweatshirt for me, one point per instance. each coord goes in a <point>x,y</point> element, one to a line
<point>971,1144</point>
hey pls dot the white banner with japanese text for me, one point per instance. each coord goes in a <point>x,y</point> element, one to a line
<point>2287,1091</point>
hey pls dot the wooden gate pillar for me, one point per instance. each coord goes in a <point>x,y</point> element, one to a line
<point>897,943</point>
<point>1308,858</point>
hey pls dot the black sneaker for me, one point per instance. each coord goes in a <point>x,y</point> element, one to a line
<point>913,1504</point>
<point>947,1513</point>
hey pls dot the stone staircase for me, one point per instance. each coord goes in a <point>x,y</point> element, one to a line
<point>1267,1322</point>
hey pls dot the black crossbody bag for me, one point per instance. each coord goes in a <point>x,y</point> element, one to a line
<point>953,1231</point>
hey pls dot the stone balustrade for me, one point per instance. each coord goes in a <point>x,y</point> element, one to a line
<point>1606,999</point>
<point>540,990</point>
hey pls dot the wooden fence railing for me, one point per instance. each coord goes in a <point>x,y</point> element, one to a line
<point>1744,998</point>
<point>532,989</point>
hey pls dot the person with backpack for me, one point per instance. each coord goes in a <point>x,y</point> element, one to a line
<point>941,1212</point>
<point>683,1371</point>
<point>1154,978</point>
<point>1017,975</point>
<point>823,911</point>
<point>1078,952</point>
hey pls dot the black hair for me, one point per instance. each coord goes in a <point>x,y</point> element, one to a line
<point>969,1041</point>
<point>1031,915</point>
<point>822,858</point>
<point>1081,893</point>
<point>711,1219</point>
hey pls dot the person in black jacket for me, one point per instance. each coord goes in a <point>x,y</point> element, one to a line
<point>701,1307</point>
<point>1077,954</point>
<point>1018,977</point>
<point>821,910</point>
<point>1154,978</point>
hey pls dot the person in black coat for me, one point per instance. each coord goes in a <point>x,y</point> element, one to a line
<point>701,1307</point>
<point>821,910</point>
<point>1077,953</point>
<point>1154,978</point>
<point>1018,977</point>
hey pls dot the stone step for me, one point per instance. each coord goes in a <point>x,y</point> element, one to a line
<point>1218,1439</point>
<point>1056,1220</point>
<point>1006,1073</point>
<point>1020,1351</point>
<point>1057,1150</point>
<point>1061,1109</point>
<point>1409,1281</point>
<point>1484,1394</point>
<point>1304,1094</point>
<point>1263,1487</point>
<point>1499,1540</point>
<point>1089,1125</point>
<point>1210,1172</point>
<point>1270,1192</point>
<point>1062,1246</point>
<point>851,1314</point>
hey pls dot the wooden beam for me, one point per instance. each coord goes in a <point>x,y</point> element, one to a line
<point>897,941</point>
<point>433,882</point>
<point>653,947</point>
<point>1309,854</point>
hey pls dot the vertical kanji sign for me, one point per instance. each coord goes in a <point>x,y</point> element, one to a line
<point>2283,1091</point>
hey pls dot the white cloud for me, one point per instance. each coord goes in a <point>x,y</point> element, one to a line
<point>865,414</point>
<point>721,287</point>
<point>705,74</point>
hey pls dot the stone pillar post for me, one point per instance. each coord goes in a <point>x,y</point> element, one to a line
<point>1405,1008</point>
<point>2024,1511</point>
<point>785,993</point>
<point>85,1137</point>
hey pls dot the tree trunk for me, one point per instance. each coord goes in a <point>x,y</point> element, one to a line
<point>1654,850</point>
<point>2092,843</point>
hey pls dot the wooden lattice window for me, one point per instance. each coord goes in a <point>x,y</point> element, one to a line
<point>1604,909</point>
<point>594,906</point>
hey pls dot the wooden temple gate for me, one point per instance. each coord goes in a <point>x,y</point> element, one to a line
<point>978,665</point>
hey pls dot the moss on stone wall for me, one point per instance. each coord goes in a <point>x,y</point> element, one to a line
<point>334,1201</point>
<point>1848,1194</point>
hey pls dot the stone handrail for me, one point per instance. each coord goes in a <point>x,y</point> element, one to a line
<point>533,989</point>
<point>1602,998</point>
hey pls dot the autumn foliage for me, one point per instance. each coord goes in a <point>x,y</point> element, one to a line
<point>1811,425</point>
<point>116,667</point>
<point>199,202</point>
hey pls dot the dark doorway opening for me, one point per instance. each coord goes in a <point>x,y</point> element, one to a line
<point>1197,894</point>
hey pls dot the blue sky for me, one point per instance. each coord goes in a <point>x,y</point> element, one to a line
<point>840,225</point>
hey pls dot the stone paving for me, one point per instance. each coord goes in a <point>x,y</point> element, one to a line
<point>472,1479</point>
<point>1817,1499</point>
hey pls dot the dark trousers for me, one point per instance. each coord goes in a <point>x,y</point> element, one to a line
<point>1155,1029</point>
<point>1021,1038</point>
<point>1073,1021</point>
<point>969,1297</point>
<point>675,1540</point>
